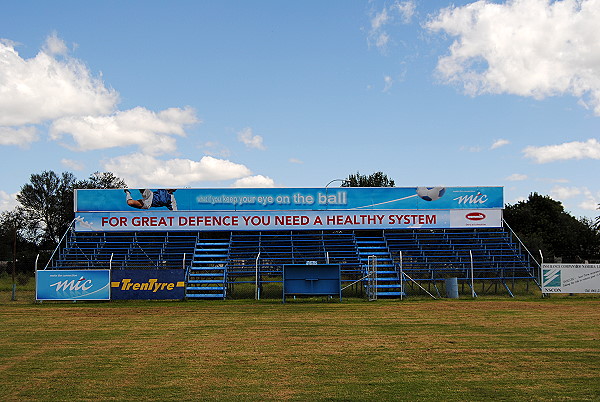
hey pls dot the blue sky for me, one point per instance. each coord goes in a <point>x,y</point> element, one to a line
<point>295,94</point>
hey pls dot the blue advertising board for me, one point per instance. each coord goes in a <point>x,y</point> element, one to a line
<point>72,285</point>
<point>320,279</point>
<point>158,284</point>
<point>286,199</point>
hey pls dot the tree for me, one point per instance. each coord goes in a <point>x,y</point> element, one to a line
<point>101,180</point>
<point>543,224</point>
<point>47,200</point>
<point>16,234</point>
<point>377,179</point>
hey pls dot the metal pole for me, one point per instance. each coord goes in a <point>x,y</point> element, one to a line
<point>327,188</point>
<point>14,266</point>
<point>256,290</point>
<point>184,260</point>
<point>401,277</point>
<point>110,262</point>
<point>541,275</point>
<point>472,280</point>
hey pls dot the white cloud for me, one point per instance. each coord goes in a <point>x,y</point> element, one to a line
<point>516,177</point>
<point>152,132</point>
<point>389,81</point>
<point>55,46</point>
<point>472,148</point>
<point>406,10</point>
<point>257,181</point>
<point>499,143</point>
<point>72,164</point>
<point>7,201</point>
<point>590,202</point>
<point>22,136</point>
<point>140,170</point>
<point>533,48</point>
<point>516,200</point>
<point>48,87</point>
<point>54,87</point>
<point>296,161</point>
<point>565,193</point>
<point>586,199</point>
<point>251,141</point>
<point>568,150</point>
<point>378,36</point>
<point>553,180</point>
<point>214,148</point>
<point>379,19</point>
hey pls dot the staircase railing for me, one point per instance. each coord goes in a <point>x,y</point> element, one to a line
<point>539,266</point>
<point>63,238</point>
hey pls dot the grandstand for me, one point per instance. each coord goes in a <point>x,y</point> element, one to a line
<point>387,242</point>
<point>216,261</point>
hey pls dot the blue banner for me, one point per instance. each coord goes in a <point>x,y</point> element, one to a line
<point>280,199</point>
<point>73,285</point>
<point>158,284</point>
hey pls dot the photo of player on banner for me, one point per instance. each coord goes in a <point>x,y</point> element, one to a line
<point>153,199</point>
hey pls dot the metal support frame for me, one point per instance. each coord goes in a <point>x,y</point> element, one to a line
<point>401,277</point>
<point>257,279</point>
<point>372,278</point>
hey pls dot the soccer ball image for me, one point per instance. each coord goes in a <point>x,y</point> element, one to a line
<point>431,193</point>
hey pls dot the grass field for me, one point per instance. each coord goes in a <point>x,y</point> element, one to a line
<point>489,348</point>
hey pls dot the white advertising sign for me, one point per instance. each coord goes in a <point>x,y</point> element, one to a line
<point>571,278</point>
<point>285,220</point>
<point>465,218</point>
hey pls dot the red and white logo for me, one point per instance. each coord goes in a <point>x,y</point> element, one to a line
<point>475,216</point>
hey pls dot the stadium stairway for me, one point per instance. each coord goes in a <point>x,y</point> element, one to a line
<point>388,283</point>
<point>207,275</point>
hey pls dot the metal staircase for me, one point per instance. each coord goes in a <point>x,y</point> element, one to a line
<point>388,282</point>
<point>207,275</point>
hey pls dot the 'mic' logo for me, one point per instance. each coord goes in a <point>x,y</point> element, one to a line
<point>472,199</point>
<point>73,285</point>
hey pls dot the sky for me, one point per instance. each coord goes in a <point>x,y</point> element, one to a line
<point>211,94</point>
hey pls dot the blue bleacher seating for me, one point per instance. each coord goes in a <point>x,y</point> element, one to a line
<point>214,260</point>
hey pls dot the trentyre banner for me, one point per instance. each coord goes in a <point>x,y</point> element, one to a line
<point>159,284</point>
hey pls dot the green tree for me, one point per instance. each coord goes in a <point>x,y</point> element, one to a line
<point>47,200</point>
<point>377,179</point>
<point>17,240</point>
<point>543,224</point>
<point>101,180</point>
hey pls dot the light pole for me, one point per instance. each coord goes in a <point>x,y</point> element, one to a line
<point>327,189</point>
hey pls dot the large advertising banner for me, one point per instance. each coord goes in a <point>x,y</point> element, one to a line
<point>285,220</point>
<point>159,284</point>
<point>72,285</point>
<point>285,199</point>
<point>571,278</point>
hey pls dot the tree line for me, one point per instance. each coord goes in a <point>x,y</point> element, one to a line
<point>46,211</point>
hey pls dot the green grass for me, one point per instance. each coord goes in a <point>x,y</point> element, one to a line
<point>418,349</point>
